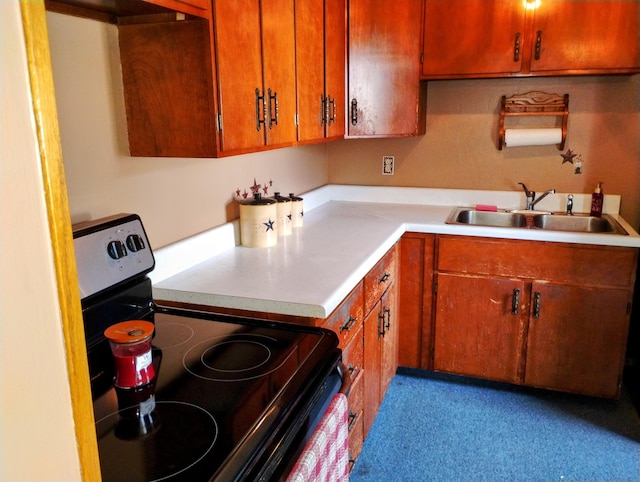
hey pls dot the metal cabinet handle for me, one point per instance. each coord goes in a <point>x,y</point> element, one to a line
<point>332,110</point>
<point>353,370</point>
<point>536,304</point>
<point>352,419</point>
<point>516,48</point>
<point>538,44</point>
<point>348,323</point>
<point>387,323</point>
<point>384,278</point>
<point>259,99</point>
<point>324,109</point>
<point>273,119</point>
<point>515,301</point>
<point>354,112</point>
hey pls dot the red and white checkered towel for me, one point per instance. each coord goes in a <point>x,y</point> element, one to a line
<point>325,458</point>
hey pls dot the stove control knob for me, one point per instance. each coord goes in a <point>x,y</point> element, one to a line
<point>116,249</point>
<point>135,242</point>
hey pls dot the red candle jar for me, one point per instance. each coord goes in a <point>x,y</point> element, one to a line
<point>131,348</point>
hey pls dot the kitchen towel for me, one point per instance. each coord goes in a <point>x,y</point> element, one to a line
<point>325,458</point>
<point>532,137</point>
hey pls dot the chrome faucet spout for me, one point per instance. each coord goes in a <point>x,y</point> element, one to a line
<point>544,194</point>
<point>531,196</point>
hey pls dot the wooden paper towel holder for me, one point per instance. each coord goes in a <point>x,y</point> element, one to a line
<point>534,104</point>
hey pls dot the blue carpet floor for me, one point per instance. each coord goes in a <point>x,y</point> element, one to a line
<point>449,429</point>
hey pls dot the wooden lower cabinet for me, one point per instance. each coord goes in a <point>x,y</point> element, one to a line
<point>480,324</point>
<point>550,315</point>
<point>415,300</point>
<point>576,338</point>
<point>380,334</point>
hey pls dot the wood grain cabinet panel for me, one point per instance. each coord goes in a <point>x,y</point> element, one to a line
<point>380,334</point>
<point>386,98</point>
<point>415,300</point>
<point>320,69</point>
<point>550,315</point>
<point>476,38</point>
<point>255,55</point>
<point>463,37</point>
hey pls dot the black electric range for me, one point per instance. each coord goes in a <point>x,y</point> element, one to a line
<point>233,398</point>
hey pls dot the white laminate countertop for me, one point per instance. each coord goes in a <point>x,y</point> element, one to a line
<point>347,229</point>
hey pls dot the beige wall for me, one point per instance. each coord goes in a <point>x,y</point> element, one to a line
<point>180,197</point>
<point>175,197</point>
<point>37,438</point>
<point>459,149</point>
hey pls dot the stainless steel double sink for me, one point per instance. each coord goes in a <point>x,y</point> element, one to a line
<point>577,223</point>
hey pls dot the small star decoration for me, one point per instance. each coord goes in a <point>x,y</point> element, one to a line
<point>269,224</point>
<point>568,156</point>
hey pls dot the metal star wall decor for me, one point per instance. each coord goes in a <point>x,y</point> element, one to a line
<point>568,156</point>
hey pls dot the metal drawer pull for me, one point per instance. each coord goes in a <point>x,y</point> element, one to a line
<point>538,44</point>
<point>516,48</point>
<point>515,301</point>
<point>259,121</point>
<point>384,278</point>
<point>536,304</point>
<point>348,323</point>
<point>353,370</point>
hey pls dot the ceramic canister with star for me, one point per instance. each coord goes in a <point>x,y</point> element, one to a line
<point>258,222</point>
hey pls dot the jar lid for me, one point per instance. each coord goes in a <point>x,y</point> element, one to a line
<point>280,199</point>
<point>294,198</point>
<point>129,331</point>
<point>257,200</point>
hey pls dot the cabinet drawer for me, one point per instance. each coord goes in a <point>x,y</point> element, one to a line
<point>353,354</point>
<point>347,317</point>
<point>381,276</point>
<point>560,262</point>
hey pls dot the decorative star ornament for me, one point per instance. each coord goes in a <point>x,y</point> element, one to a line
<point>568,156</point>
<point>255,189</point>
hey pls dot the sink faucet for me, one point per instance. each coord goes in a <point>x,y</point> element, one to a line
<point>570,204</point>
<point>531,196</point>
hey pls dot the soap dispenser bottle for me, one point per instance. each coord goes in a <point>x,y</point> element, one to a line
<point>596,201</point>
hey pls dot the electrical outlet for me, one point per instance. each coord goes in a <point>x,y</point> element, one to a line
<point>387,165</point>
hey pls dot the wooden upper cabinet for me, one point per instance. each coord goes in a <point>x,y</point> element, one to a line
<point>588,36</point>
<point>335,66</point>
<point>385,98</point>
<point>478,38</point>
<point>473,37</point>
<point>256,73</point>
<point>320,68</point>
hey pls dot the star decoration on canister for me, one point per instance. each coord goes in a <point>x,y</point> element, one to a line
<point>269,224</point>
<point>568,156</point>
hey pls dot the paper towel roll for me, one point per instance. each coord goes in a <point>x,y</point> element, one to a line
<point>532,137</point>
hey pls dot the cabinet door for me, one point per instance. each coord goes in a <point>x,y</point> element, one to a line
<point>278,57</point>
<point>415,297</point>
<point>588,35</point>
<point>310,68</point>
<point>467,37</point>
<point>239,69</point>
<point>479,326</point>
<point>372,375</point>
<point>384,68</point>
<point>389,340</point>
<point>335,65</point>
<point>575,335</point>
